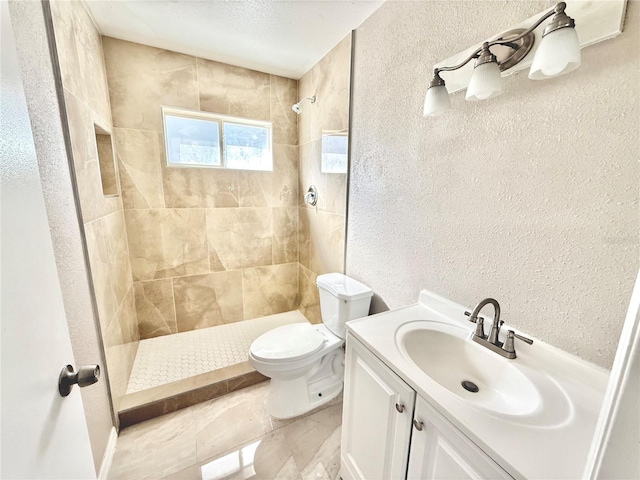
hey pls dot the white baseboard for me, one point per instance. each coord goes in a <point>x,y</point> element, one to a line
<point>107,459</point>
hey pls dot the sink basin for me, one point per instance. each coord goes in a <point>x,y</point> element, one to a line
<point>446,354</point>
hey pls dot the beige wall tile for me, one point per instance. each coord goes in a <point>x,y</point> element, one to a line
<point>208,300</point>
<point>263,189</point>
<point>285,235</point>
<point>255,189</point>
<point>269,290</point>
<point>240,237</point>
<point>167,242</point>
<point>336,187</point>
<point>284,93</point>
<point>143,78</point>
<point>235,91</point>
<point>138,153</point>
<point>199,187</point>
<point>321,241</point>
<point>329,80</point>
<point>81,56</point>
<point>310,160</point>
<point>93,202</point>
<point>309,295</point>
<point>285,170</point>
<point>155,308</point>
<point>121,345</point>
<point>109,260</point>
<point>128,318</point>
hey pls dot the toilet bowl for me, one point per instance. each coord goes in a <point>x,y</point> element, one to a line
<point>306,362</point>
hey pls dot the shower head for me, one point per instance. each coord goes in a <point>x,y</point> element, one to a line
<point>298,106</point>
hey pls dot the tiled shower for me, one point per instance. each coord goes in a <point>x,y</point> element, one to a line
<point>189,265</point>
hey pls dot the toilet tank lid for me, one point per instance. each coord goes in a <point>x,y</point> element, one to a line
<point>343,287</point>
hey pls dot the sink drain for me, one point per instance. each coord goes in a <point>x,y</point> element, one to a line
<point>470,386</point>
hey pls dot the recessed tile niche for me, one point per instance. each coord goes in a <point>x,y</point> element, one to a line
<point>107,162</point>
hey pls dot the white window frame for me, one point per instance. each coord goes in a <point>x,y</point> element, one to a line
<point>220,120</point>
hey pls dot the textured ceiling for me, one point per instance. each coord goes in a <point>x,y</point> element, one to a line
<point>280,37</point>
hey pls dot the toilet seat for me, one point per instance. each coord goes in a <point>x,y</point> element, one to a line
<point>287,343</point>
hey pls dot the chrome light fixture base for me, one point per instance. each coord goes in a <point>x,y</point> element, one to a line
<point>515,50</point>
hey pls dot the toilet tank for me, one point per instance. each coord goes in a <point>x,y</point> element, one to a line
<point>342,299</point>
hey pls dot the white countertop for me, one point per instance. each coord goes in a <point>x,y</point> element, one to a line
<point>549,443</point>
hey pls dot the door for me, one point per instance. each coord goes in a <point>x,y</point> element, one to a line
<point>439,451</point>
<point>43,434</point>
<point>376,421</point>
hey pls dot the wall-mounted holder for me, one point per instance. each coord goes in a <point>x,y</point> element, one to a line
<point>85,376</point>
<point>311,197</point>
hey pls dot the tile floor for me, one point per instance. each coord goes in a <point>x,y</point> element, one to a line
<point>232,437</point>
<point>170,358</point>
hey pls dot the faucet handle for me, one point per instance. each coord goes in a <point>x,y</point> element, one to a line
<point>508,343</point>
<point>480,328</point>
<point>468,314</point>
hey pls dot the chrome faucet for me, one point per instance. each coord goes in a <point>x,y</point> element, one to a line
<point>492,341</point>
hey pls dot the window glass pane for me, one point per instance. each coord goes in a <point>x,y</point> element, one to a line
<point>247,147</point>
<point>334,153</point>
<point>192,142</point>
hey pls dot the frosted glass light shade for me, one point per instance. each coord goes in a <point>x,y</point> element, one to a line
<point>558,53</point>
<point>485,82</point>
<point>437,101</point>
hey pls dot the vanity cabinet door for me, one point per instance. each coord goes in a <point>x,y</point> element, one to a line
<point>440,451</point>
<point>376,421</point>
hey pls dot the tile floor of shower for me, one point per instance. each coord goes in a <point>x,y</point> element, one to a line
<point>170,358</point>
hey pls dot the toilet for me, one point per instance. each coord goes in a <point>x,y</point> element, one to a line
<point>306,362</point>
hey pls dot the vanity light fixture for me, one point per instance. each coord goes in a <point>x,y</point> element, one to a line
<point>558,53</point>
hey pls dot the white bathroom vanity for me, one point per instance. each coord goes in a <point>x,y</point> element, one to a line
<point>407,414</point>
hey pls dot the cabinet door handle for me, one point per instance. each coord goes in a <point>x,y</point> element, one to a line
<point>417,425</point>
<point>399,407</point>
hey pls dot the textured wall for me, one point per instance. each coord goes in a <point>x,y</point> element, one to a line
<point>207,246</point>
<point>531,198</point>
<point>322,227</point>
<point>87,104</point>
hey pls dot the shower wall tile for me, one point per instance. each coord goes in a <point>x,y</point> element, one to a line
<point>142,78</point>
<point>285,235</point>
<point>192,231</point>
<point>94,204</point>
<point>137,152</point>
<point>167,242</point>
<point>309,295</point>
<point>240,237</point>
<point>235,91</point>
<point>269,290</point>
<point>80,55</point>
<point>255,189</point>
<point>109,260</point>
<point>277,188</point>
<point>155,308</point>
<point>285,169</point>
<point>336,185</point>
<point>321,229</point>
<point>329,80</point>
<point>284,93</point>
<point>321,240</point>
<point>208,300</point>
<point>127,318</point>
<point>310,160</point>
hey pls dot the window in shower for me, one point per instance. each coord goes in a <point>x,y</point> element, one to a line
<point>201,139</point>
<point>335,149</point>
